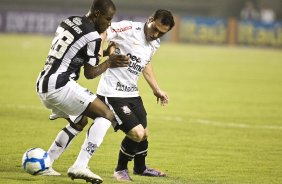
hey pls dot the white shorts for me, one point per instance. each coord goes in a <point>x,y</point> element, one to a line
<point>69,101</point>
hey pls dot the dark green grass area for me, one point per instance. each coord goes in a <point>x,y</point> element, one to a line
<point>223,123</point>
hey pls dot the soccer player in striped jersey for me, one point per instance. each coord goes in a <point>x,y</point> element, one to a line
<point>76,44</point>
<point>118,89</point>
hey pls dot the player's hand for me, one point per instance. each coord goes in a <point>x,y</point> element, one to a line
<point>110,50</point>
<point>118,61</point>
<point>162,97</point>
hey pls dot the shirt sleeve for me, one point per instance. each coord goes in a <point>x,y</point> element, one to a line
<point>155,45</point>
<point>93,52</point>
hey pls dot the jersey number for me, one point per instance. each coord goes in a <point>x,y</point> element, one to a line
<point>60,43</point>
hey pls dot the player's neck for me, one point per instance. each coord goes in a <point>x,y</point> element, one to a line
<point>90,17</point>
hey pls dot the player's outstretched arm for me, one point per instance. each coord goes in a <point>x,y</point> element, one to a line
<point>90,72</point>
<point>151,80</point>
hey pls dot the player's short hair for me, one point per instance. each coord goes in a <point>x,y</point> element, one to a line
<point>165,16</point>
<point>102,5</point>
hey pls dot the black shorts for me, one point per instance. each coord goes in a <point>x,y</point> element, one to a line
<point>130,112</point>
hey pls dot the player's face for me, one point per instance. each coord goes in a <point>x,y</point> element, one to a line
<point>103,21</point>
<point>155,29</point>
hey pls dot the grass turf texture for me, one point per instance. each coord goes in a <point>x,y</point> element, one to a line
<point>223,123</point>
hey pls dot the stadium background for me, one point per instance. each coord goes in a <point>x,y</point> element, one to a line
<point>198,21</point>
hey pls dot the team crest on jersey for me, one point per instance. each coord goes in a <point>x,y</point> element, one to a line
<point>78,60</point>
<point>77,21</point>
<point>117,51</point>
<point>126,110</point>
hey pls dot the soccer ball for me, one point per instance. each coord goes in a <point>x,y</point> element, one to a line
<point>35,160</point>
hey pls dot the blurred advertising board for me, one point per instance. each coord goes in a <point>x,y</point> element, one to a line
<point>203,30</point>
<point>259,34</point>
<point>30,22</point>
<point>42,22</point>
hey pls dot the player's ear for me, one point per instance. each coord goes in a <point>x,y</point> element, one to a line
<point>97,13</point>
<point>151,19</point>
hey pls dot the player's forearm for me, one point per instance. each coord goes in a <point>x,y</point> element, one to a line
<point>94,72</point>
<point>113,61</point>
<point>154,85</point>
<point>101,68</point>
<point>150,78</point>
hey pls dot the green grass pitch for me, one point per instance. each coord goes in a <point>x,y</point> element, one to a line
<point>223,124</point>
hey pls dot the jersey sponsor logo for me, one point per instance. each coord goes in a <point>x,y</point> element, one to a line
<point>134,66</point>
<point>118,30</point>
<point>117,51</point>
<point>125,88</point>
<point>138,28</point>
<point>134,58</point>
<point>126,110</point>
<point>73,25</point>
<point>77,21</point>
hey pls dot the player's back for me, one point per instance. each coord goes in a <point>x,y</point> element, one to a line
<point>69,50</point>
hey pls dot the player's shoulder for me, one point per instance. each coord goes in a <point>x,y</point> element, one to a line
<point>138,26</point>
<point>80,24</point>
<point>122,26</point>
<point>76,20</point>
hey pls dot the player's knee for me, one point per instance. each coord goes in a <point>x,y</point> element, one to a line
<point>139,136</point>
<point>137,133</point>
<point>109,115</point>
<point>81,124</point>
<point>146,134</point>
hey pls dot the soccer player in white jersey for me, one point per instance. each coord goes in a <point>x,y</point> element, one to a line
<point>76,44</point>
<point>118,89</point>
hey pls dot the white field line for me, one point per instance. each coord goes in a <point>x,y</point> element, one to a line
<point>238,125</point>
<point>168,118</point>
<point>22,106</point>
<point>218,123</point>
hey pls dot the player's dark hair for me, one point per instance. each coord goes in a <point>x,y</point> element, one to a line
<point>165,16</point>
<point>102,5</point>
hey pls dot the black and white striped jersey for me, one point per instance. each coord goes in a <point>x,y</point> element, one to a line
<point>76,42</point>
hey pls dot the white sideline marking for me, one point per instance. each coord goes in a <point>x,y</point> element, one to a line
<point>238,125</point>
<point>167,118</point>
<point>22,106</point>
<point>218,123</point>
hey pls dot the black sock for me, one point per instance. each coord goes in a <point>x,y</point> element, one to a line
<point>139,159</point>
<point>127,152</point>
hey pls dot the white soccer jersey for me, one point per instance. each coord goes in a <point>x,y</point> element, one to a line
<point>130,40</point>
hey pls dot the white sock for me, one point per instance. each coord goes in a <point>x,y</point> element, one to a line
<point>62,142</point>
<point>93,140</point>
